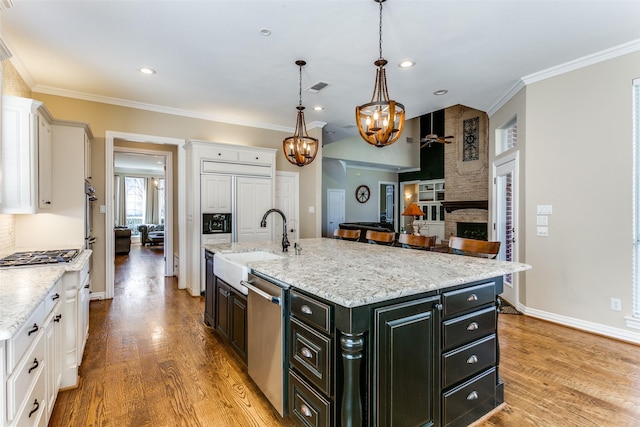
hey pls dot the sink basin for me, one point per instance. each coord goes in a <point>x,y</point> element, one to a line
<point>232,267</point>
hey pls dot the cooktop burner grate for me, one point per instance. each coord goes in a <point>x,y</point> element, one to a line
<point>39,257</point>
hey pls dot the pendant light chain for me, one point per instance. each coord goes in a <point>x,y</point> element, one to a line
<point>300,86</point>
<point>380,30</point>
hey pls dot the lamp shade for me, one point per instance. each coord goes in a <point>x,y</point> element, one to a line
<point>412,210</point>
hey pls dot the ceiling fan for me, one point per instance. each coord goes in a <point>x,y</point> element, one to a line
<point>432,137</point>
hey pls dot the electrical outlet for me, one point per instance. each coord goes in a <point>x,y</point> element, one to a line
<point>542,231</point>
<point>616,304</point>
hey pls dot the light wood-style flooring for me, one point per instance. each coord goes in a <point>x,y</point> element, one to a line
<point>151,361</point>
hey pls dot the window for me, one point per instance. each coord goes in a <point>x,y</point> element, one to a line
<point>134,202</point>
<point>636,213</point>
<point>507,136</point>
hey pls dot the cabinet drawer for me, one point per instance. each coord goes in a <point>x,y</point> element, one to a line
<point>467,361</point>
<point>464,329</point>
<point>306,406</point>
<point>26,373</point>
<point>216,155</point>
<point>470,401</point>
<point>256,157</point>
<point>311,311</point>
<point>33,413</point>
<point>53,298</point>
<point>26,335</point>
<point>310,354</point>
<point>468,298</point>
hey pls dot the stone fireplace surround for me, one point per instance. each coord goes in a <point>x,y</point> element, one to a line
<point>466,183</point>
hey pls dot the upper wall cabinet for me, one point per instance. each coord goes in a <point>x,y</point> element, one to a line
<point>26,156</point>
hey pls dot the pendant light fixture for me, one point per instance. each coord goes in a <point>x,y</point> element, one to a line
<point>380,121</point>
<point>300,149</point>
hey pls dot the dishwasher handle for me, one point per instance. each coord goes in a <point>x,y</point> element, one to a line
<point>274,299</point>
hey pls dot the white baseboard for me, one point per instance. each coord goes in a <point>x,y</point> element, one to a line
<point>595,328</point>
<point>97,295</point>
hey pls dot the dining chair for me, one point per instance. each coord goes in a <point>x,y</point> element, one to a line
<point>344,234</point>
<point>412,241</point>
<point>472,247</point>
<point>381,237</point>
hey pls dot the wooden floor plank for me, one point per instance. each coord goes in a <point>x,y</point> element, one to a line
<point>151,361</point>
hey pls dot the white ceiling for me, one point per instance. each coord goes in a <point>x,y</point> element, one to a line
<point>212,62</point>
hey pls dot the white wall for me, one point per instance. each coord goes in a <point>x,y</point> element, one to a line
<point>579,160</point>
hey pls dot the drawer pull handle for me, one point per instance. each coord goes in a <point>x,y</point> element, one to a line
<point>34,330</point>
<point>57,318</point>
<point>472,326</point>
<point>36,406</point>
<point>472,396</point>
<point>472,359</point>
<point>472,298</point>
<point>306,309</point>
<point>306,352</point>
<point>55,297</point>
<point>305,410</point>
<point>87,286</point>
<point>34,366</point>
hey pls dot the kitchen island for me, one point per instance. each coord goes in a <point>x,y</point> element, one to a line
<point>386,336</point>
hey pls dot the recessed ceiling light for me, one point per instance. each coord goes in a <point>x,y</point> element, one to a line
<point>146,70</point>
<point>265,32</point>
<point>318,108</point>
<point>406,64</point>
<point>440,92</point>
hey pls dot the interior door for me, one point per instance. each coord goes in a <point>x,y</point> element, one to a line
<point>335,209</point>
<point>505,221</point>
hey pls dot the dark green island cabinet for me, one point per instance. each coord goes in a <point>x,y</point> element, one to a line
<point>225,310</point>
<point>423,360</point>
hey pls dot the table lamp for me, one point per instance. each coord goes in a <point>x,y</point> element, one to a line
<point>413,210</point>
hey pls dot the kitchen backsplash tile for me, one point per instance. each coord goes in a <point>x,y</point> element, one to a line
<point>7,233</point>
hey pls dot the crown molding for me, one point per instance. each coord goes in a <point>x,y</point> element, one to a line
<point>506,97</point>
<point>158,108</point>
<point>585,61</point>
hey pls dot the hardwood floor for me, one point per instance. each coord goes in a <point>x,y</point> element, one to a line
<point>150,361</point>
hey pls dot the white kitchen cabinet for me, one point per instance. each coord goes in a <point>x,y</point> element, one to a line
<point>215,193</point>
<point>87,157</point>
<point>254,198</point>
<point>32,379</point>
<point>76,285</point>
<point>26,156</point>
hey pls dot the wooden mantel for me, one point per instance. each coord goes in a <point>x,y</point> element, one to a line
<point>469,204</point>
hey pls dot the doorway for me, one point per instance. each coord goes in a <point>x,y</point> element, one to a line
<point>109,255</point>
<point>505,220</point>
<point>387,203</point>
<point>335,209</point>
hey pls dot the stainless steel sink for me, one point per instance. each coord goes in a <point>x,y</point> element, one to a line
<point>232,267</point>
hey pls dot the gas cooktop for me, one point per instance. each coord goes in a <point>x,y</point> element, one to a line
<point>39,257</point>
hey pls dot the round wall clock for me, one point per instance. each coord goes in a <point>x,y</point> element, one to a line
<point>362,193</point>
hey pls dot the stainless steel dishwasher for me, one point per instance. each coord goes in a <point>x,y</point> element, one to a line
<point>266,338</point>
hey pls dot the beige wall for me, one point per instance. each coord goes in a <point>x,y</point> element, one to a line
<point>103,117</point>
<point>579,160</point>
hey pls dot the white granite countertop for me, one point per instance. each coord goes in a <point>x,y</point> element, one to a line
<point>22,289</point>
<point>352,274</point>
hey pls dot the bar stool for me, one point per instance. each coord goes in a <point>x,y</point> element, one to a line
<point>344,234</point>
<point>412,241</point>
<point>380,237</point>
<point>472,247</point>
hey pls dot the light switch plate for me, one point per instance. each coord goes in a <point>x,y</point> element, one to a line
<point>312,209</point>
<point>103,209</point>
<point>542,220</point>
<point>544,209</point>
<point>543,231</point>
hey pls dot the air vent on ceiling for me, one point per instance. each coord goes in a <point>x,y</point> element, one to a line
<point>317,87</point>
<point>348,126</point>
